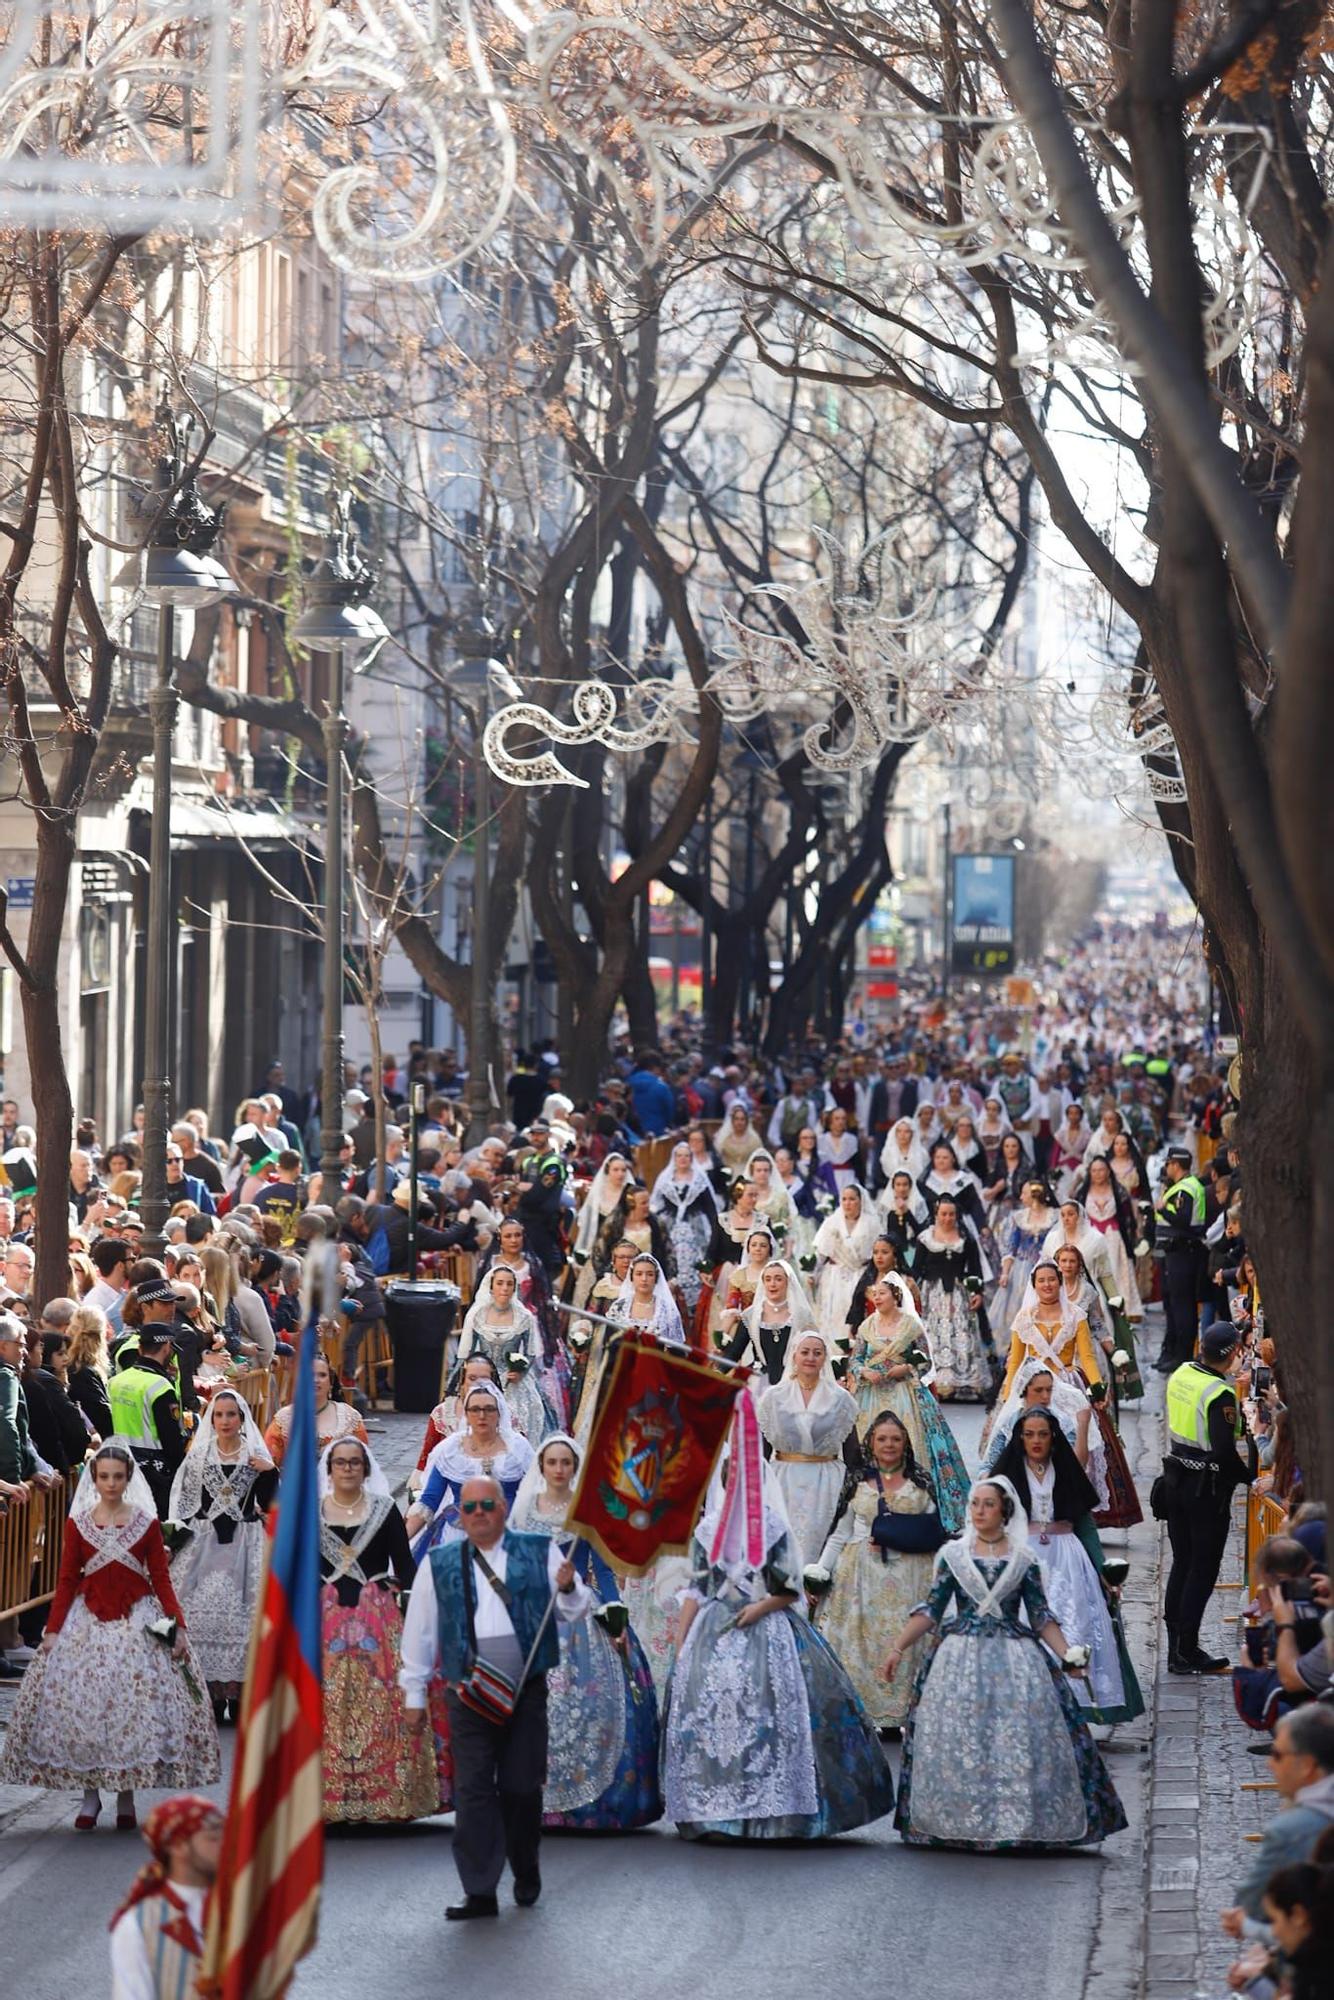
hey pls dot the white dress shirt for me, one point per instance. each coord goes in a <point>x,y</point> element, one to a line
<point>421,1626</point>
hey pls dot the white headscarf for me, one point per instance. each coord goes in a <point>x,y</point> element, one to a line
<point>595,1209</point>
<point>666,1321</point>
<point>376,1486</point>
<point>187,1488</point>
<point>898,1159</point>
<point>680,1194</point>
<point>827,1389</point>
<point>508,1434</point>
<point>798,1299</point>
<point>524,1514</point>
<point>1025,1324</point>
<point>960,1555</point>
<point>524,1320</point>
<point>137,1495</point>
<point>985,1127</point>
<point>863,1232</point>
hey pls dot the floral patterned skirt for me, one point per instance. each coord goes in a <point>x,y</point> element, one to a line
<point>109,1707</point>
<point>868,1604</point>
<point>375,1768</point>
<point>996,1753</point>
<point>218,1585</point>
<point>630,1796</point>
<point>963,1365</point>
<point>764,1737</point>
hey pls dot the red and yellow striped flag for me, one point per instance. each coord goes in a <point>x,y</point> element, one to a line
<point>264,1909</point>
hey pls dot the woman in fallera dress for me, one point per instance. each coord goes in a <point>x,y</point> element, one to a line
<point>738,1283</point>
<point>843,1245</point>
<point>686,1205</point>
<point>808,1420</point>
<point>763,1735</point>
<point>105,1705</point>
<point>996,1753</point>
<point>499,1327</point>
<point>948,1268</point>
<point>1039,1462</point>
<point>486,1442</point>
<point>223,1487</point>
<point>766,1329</point>
<point>877,1564</point>
<point>375,1767</point>
<point>887,1370</point>
<point>1051,1329</point>
<point>602,1711</point>
<point>599,1205</point>
<point>1019,1240</point>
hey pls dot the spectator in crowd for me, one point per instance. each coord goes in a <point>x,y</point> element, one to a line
<point>1302,1760</point>
<point>651,1095</point>
<point>112,1257</point>
<point>198,1164</point>
<point>182,1186</point>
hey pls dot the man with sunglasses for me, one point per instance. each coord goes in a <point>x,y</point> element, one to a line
<point>487,1606</point>
<point>1302,1761</point>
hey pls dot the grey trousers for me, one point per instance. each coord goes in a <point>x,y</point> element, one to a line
<point>499,1772</point>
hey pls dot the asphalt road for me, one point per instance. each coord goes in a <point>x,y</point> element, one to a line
<point>644,1913</point>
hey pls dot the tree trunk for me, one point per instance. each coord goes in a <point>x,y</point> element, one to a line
<point>641,1000</point>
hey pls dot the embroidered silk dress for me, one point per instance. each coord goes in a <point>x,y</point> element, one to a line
<point>996,1753</point>
<point>764,1737</point>
<point>873,1354</point>
<point>872,1593</point>
<point>375,1768</point>
<point>108,1706</point>
<point>218,1571</point>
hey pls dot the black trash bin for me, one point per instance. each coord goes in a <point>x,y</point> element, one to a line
<point>420,1318</point>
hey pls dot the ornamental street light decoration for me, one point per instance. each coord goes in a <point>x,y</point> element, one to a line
<point>337,621</point>
<point>179,569</point>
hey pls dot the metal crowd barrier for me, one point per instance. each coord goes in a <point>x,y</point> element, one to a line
<point>32,1532</point>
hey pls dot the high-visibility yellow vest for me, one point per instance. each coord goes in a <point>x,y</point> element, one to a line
<point>1191,1393</point>
<point>132,1393</point>
<point>1187,1185</point>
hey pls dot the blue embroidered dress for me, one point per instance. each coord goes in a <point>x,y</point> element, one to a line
<point>763,1735</point>
<point>602,1716</point>
<point>996,1753</point>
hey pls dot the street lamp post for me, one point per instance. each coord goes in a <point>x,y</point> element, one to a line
<point>336,621</point>
<point>178,570</point>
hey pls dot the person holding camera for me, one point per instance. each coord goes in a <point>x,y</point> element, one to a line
<point>1194,1493</point>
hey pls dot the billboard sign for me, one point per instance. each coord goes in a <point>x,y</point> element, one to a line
<point>982,914</point>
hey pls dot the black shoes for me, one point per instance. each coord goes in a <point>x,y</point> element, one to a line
<point>1196,1662</point>
<point>472,1906</point>
<point>527,1893</point>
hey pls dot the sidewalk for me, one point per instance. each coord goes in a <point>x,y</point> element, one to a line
<point>1159,1937</point>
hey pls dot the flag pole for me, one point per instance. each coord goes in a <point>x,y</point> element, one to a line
<point>628,1326</point>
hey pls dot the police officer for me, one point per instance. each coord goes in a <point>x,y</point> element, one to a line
<point>1200,1473</point>
<point>144,1398</point>
<point>1181,1216</point>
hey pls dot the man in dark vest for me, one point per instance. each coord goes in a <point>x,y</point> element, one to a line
<point>490,1602</point>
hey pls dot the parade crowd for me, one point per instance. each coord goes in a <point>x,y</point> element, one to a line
<point>979,1209</point>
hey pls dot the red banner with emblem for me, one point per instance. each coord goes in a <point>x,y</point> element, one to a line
<point>662,1418</point>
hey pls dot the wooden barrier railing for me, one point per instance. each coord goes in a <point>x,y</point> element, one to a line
<point>1265,1516</point>
<point>31,1534</point>
<point>256,1387</point>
